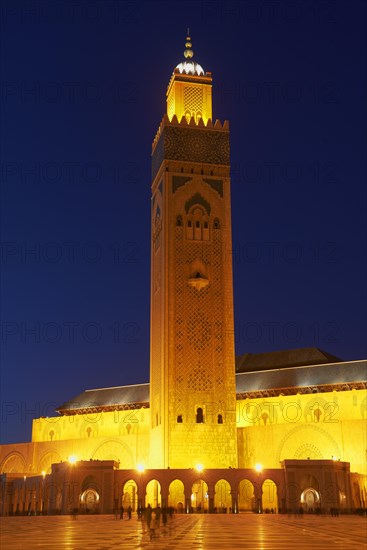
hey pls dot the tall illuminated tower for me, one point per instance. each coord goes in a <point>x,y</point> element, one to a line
<point>192,370</point>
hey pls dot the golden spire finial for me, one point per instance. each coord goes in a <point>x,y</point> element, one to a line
<point>188,53</point>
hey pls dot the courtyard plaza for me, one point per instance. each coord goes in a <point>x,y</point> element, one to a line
<point>193,531</point>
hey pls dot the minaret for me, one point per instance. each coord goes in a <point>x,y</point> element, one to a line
<point>192,372</point>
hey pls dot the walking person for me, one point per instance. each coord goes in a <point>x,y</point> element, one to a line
<point>148,516</point>
<point>153,524</point>
<point>164,516</point>
<point>158,511</point>
<point>122,512</point>
<point>129,510</point>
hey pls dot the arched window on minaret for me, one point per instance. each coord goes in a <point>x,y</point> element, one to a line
<point>189,230</point>
<point>179,419</point>
<point>197,231</point>
<point>157,229</point>
<point>220,419</point>
<point>199,416</point>
<point>216,224</point>
<point>206,231</point>
<point>179,221</point>
<point>198,223</point>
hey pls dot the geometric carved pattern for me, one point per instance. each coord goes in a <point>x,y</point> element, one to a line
<point>320,438</point>
<point>193,99</point>
<point>179,324</point>
<point>179,181</point>
<point>47,460</point>
<point>308,450</point>
<point>198,330</point>
<point>199,381</point>
<point>192,145</point>
<point>215,184</point>
<point>156,336</point>
<point>199,327</point>
<point>113,449</point>
<point>13,462</point>
<point>171,106</point>
<point>197,199</point>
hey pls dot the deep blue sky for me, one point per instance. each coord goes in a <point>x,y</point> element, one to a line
<point>75,175</point>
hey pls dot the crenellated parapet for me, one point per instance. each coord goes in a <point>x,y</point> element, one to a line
<point>184,123</point>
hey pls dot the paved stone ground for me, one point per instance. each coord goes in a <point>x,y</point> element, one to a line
<point>184,532</point>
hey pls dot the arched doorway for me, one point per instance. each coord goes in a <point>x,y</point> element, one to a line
<point>47,460</point>
<point>199,496</point>
<point>89,500</point>
<point>16,500</point>
<point>269,497</point>
<point>130,495</point>
<point>356,495</point>
<point>14,462</point>
<point>246,496</point>
<point>153,493</point>
<point>342,500</point>
<point>176,496</point>
<point>310,499</point>
<point>223,496</point>
<point>89,496</point>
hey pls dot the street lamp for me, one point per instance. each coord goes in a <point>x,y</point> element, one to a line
<point>72,459</point>
<point>199,468</point>
<point>25,493</point>
<point>141,469</point>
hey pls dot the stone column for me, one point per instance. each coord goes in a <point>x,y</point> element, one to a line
<point>187,504</point>
<point>141,493</point>
<point>164,497</point>
<point>259,500</point>
<point>211,493</point>
<point>348,489</point>
<point>234,495</point>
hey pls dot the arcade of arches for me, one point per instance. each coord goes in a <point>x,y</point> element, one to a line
<point>100,487</point>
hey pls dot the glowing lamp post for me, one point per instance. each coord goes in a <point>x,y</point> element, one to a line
<point>141,469</point>
<point>72,461</point>
<point>25,493</point>
<point>200,468</point>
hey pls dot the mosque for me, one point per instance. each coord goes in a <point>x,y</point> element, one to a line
<point>211,432</point>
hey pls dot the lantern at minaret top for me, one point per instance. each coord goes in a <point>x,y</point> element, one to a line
<point>189,92</point>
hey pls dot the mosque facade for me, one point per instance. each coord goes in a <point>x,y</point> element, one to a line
<point>210,432</point>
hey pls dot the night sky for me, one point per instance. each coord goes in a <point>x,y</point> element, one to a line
<point>82,94</point>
